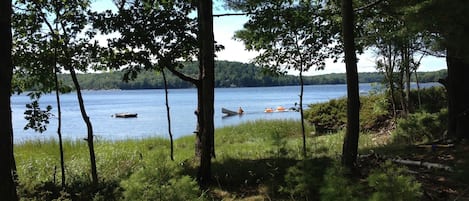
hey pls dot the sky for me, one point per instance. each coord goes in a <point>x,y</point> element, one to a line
<point>225,27</point>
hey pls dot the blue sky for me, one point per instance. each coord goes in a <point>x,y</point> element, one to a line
<point>224,28</point>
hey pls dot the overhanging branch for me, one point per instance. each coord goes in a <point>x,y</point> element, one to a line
<point>184,77</point>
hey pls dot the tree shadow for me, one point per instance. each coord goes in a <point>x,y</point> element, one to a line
<point>264,177</point>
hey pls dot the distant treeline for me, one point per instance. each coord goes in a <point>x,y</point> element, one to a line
<point>227,74</point>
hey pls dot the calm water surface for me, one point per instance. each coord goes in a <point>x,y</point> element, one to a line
<point>150,106</point>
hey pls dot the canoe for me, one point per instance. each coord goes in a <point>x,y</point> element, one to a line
<point>228,112</point>
<point>125,115</point>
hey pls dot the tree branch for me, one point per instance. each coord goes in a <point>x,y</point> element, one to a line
<point>231,14</point>
<point>368,6</point>
<point>184,77</point>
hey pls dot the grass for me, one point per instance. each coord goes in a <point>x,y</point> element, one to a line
<point>252,161</point>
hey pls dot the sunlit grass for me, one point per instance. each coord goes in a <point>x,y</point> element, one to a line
<point>264,149</point>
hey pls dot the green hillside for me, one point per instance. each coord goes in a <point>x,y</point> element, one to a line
<point>227,74</point>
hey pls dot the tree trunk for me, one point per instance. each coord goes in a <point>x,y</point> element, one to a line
<point>7,164</point>
<point>59,118</point>
<point>206,111</point>
<point>89,139</point>
<point>350,147</point>
<point>458,101</point>
<point>303,134</point>
<point>168,115</point>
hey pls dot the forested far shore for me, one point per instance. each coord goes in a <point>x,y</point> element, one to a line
<point>228,74</point>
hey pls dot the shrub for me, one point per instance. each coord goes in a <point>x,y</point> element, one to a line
<point>337,186</point>
<point>387,182</point>
<point>305,178</point>
<point>420,127</point>
<point>329,116</point>
<point>332,116</point>
<point>374,111</point>
<point>432,99</point>
<point>390,182</point>
<point>161,182</point>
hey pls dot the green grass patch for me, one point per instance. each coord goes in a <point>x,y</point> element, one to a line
<point>253,159</point>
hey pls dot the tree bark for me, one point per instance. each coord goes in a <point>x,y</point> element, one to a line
<point>206,111</point>
<point>458,101</point>
<point>7,164</point>
<point>86,119</point>
<point>168,115</point>
<point>59,117</point>
<point>350,146</point>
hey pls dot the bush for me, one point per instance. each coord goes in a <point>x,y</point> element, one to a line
<point>337,186</point>
<point>390,182</point>
<point>420,127</point>
<point>432,99</point>
<point>387,182</point>
<point>162,182</point>
<point>332,116</point>
<point>305,178</point>
<point>329,116</point>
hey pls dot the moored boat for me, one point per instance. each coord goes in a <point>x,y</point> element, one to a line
<point>125,115</point>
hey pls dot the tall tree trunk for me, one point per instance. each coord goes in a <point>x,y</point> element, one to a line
<point>168,115</point>
<point>350,147</point>
<point>406,60</point>
<point>207,62</point>
<point>7,159</point>
<point>89,139</point>
<point>59,118</point>
<point>457,87</point>
<point>303,134</point>
<point>389,73</point>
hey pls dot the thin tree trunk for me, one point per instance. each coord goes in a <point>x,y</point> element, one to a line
<point>390,77</point>
<point>59,118</point>
<point>418,88</point>
<point>7,159</point>
<point>303,134</point>
<point>350,147</point>
<point>168,115</point>
<point>86,119</point>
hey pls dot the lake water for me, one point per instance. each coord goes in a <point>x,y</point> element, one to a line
<point>151,109</point>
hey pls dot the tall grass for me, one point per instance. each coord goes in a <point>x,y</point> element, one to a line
<point>263,148</point>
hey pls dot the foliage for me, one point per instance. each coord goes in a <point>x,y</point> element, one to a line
<point>391,182</point>
<point>152,35</point>
<point>228,74</point>
<point>432,99</point>
<point>387,182</point>
<point>337,186</point>
<point>328,117</point>
<point>375,110</point>
<point>304,179</point>
<point>331,116</point>
<point>420,127</point>
<point>163,181</point>
<point>37,118</point>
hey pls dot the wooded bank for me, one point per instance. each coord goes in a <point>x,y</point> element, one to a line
<point>227,74</point>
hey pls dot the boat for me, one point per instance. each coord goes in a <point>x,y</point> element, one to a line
<point>268,110</point>
<point>125,115</point>
<point>228,112</point>
<point>280,109</point>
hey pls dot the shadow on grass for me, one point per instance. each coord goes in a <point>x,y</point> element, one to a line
<point>77,190</point>
<point>240,178</point>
